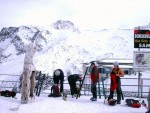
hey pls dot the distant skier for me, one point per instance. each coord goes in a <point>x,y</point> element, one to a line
<point>58,78</point>
<point>72,79</point>
<point>94,74</point>
<point>115,75</point>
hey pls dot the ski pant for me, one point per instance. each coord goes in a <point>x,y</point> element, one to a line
<point>61,86</point>
<point>94,89</point>
<point>118,91</point>
<point>73,87</point>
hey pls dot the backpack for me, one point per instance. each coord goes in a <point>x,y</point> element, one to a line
<point>112,102</point>
<point>133,103</point>
<point>8,93</point>
<point>54,91</point>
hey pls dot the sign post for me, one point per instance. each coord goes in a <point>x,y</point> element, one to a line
<point>140,63</point>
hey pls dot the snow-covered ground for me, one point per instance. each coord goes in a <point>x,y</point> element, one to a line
<point>45,104</point>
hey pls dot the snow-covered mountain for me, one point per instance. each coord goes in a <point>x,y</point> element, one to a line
<point>62,45</point>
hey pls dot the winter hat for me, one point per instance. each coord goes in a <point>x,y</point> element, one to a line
<point>92,63</point>
<point>57,72</point>
<point>116,63</point>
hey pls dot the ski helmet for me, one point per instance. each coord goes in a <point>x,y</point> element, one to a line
<point>57,72</point>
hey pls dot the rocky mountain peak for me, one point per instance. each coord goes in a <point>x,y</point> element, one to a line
<point>64,24</point>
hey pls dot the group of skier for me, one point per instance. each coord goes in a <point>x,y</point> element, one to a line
<point>115,84</point>
<point>28,82</point>
<point>58,79</point>
<point>116,73</point>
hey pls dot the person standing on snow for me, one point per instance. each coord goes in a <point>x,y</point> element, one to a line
<point>115,75</point>
<point>29,72</point>
<point>58,78</point>
<point>94,75</point>
<point>72,79</point>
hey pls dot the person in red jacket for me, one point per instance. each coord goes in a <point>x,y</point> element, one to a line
<point>115,75</point>
<point>94,74</point>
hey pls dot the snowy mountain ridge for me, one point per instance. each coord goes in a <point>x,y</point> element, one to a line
<point>64,46</point>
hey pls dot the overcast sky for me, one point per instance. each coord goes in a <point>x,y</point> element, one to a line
<point>85,14</point>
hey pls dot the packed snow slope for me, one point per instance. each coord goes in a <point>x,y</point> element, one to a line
<point>45,104</point>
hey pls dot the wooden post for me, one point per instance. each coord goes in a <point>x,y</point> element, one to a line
<point>25,90</point>
<point>28,73</point>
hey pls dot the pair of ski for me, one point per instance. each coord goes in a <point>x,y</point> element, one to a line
<point>78,95</point>
<point>40,83</point>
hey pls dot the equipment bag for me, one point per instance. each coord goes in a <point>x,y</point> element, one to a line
<point>112,102</point>
<point>133,103</point>
<point>54,91</point>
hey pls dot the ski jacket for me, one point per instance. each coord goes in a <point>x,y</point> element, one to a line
<point>94,74</point>
<point>74,78</point>
<point>115,80</point>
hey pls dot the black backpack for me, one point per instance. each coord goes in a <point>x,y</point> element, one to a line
<point>8,93</point>
<point>112,102</point>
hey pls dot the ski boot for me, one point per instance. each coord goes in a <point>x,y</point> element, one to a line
<point>64,96</point>
<point>93,99</point>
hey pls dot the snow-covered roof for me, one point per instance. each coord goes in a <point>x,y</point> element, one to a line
<point>118,60</point>
<point>121,66</point>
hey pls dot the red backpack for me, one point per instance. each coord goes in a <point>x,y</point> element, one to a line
<point>54,91</point>
<point>133,103</point>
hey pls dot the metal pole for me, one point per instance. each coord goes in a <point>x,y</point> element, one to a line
<point>139,77</point>
<point>141,88</point>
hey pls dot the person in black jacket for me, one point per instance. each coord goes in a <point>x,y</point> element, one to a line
<point>72,79</point>
<point>58,78</point>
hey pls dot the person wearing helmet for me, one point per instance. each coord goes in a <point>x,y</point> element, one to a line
<point>58,78</point>
<point>115,75</point>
